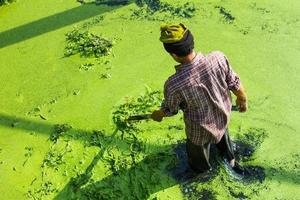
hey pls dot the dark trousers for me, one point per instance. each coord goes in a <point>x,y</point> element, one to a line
<point>198,155</point>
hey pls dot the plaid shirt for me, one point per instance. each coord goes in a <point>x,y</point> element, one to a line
<point>201,89</point>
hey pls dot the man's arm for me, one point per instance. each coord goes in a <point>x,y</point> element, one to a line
<point>169,107</point>
<point>234,84</point>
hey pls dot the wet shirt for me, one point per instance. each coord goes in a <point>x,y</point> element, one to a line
<point>201,89</point>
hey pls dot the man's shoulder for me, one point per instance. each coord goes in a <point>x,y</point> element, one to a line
<point>173,83</point>
<point>171,80</point>
<point>216,54</point>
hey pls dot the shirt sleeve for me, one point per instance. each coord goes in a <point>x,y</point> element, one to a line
<point>232,79</point>
<point>170,104</point>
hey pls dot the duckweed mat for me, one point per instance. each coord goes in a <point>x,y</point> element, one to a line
<point>73,72</point>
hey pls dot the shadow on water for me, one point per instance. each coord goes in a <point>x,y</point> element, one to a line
<point>51,23</point>
<point>154,173</point>
<point>87,137</point>
<point>164,168</point>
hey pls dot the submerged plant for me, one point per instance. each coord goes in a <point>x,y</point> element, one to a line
<point>87,44</point>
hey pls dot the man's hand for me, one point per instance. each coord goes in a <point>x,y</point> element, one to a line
<point>158,115</point>
<point>241,98</point>
<point>242,104</point>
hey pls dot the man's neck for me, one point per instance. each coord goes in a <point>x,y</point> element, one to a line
<point>188,58</point>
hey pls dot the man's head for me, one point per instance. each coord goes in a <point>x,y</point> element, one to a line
<point>178,41</point>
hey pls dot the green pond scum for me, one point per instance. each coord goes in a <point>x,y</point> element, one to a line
<point>74,71</point>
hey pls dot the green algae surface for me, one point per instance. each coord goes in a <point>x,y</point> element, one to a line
<point>59,117</point>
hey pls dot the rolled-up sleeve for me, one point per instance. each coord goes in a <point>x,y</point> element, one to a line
<point>232,79</point>
<point>170,104</point>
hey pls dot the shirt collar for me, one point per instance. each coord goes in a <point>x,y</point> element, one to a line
<point>181,66</point>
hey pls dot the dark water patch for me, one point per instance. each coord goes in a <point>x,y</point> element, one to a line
<point>181,172</point>
<point>254,173</point>
<point>242,151</point>
<point>246,173</point>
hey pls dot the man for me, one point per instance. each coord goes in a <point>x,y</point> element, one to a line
<point>201,89</point>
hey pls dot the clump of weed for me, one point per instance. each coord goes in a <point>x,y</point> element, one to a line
<point>4,2</point>
<point>45,189</point>
<point>87,44</point>
<point>147,8</point>
<point>115,162</point>
<point>53,159</point>
<point>143,104</point>
<point>58,130</point>
<point>28,154</point>
<point>86,66</point>
<point>226,14</point>
<point>105,76</point>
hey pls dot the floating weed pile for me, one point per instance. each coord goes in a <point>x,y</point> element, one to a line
<point>227,16</point>
<point>87,44</point>
<point>143,104</point>
<point>86,66</point>
<point>151,9</point>
<point>3,2</point>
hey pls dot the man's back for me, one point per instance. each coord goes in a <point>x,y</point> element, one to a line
<point>202,88</point>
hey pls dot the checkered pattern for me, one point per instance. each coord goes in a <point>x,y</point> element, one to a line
<point>201,89</point>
